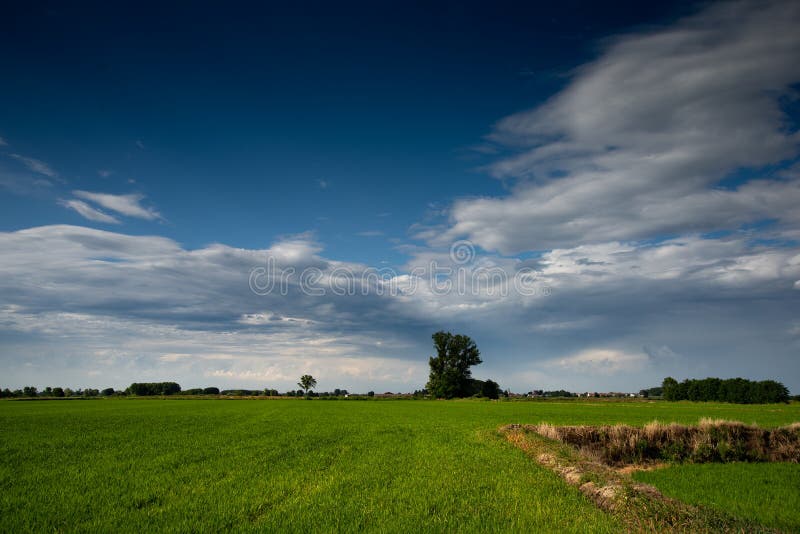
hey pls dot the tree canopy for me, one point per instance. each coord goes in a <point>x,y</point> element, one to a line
<point>450,369</point>
<point>307,382</point>
<point>736,390</point>
<point>154,388</point>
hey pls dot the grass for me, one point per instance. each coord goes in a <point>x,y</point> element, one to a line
<point>207,465</point>
<point>766,493</point>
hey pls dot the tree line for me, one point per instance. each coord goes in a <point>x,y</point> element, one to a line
<point>451,377</point>
<point>154,388</point>
<point>57,392</point>
<point>735,390</point>
<point>149,389</point>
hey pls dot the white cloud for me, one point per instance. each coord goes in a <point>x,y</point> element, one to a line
<point>3,142</point>
<point>707,263</point>
<point>636,144</point>
<point>128,205</point>
<point>295,250</point>
<point>556,326</point>
<point>23,184</point>
<point>36,165</point>
<point>184,356</point>
<point>364,371</point>
<point>88,212</point>
<point>266,318</point>
<point>600,361</point>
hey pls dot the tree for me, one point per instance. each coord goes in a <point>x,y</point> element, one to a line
<point>307,382</point>
<point>670,388</point>
<point>490,389</point>
<point>154,388</point>
<point>450,374</point>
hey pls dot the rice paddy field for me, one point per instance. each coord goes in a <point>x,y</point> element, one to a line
<point>136,465</point>
<point>766,493</point>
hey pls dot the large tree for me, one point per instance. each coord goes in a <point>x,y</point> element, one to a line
<point>450,374</point>
<point>307,382</point>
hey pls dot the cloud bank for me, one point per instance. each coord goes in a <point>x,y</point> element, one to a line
<point>117,306</point>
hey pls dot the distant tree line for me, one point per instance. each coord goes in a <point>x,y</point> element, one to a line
<point>57,392</point>
<point>201,391</point>
<point>557,393</point>
<point>735,390</point>
<point>652,392</point>
<point>154,388</point>
<point>149,389</point>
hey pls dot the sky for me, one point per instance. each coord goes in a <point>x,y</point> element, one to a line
<point>237,194</point>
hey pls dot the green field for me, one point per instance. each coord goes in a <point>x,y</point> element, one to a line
<point>295,465</point>
<point>767,493</point>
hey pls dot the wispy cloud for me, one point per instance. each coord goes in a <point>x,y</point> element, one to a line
<point>3,142</point>
<point>370,233</point>
<point>128,205</point>
<point>23,184</point>
<point>35,165</point>
<point>638,142</point>
<point>88,212</point>
<point>266,318</point>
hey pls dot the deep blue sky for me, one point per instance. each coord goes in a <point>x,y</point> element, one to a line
<point>245,110</point>
<point>639,159</point>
